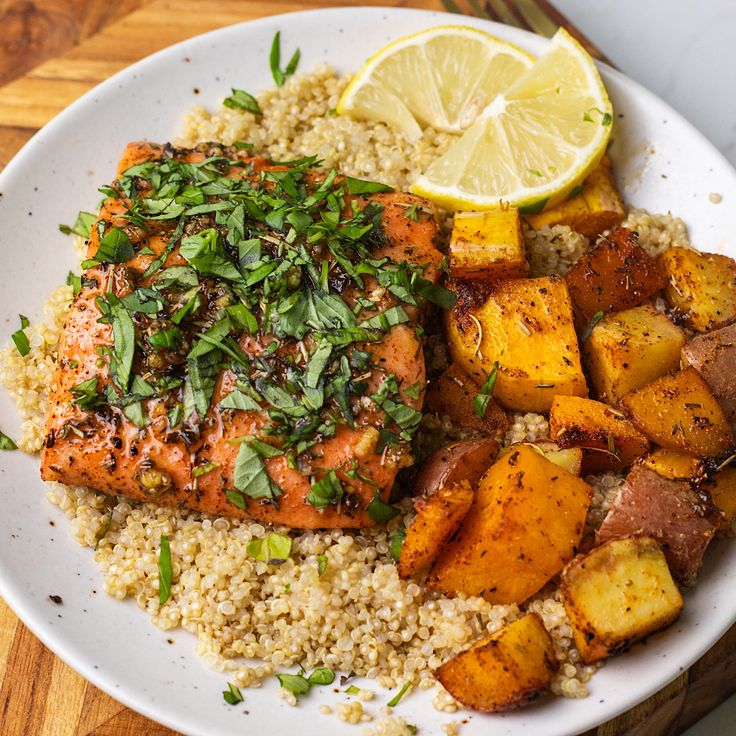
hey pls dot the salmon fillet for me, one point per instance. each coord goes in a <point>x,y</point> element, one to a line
<point>246,340</point>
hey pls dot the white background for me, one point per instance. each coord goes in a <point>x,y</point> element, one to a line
<point>685,52</point>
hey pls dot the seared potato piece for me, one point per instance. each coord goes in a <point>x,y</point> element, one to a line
<point>438,517</point>
<point>617,594</point>
<point>629,349</point>
<point>525,524</point>
<point>596,208</point>
<point>679,412</point>
<point>680,519</point>
<point>608,439</point>
<point>675,465</point>
<point>714,357</point>
<point>526,326</point>
<point>722,489</point>
<point>569,458</point>
<point>451,394</point>
<point>615,275</point>
<point>701,288</point>
<point>488,245</point>
<point>466,460</point>
<point>504,670</point>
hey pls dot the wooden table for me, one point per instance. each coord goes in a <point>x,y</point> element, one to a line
<point>45,69</point>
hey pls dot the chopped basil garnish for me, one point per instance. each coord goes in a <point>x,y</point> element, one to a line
<point>396,542</point>
<point>274,60</point>
<point>6,443</point>
<point>164,570</point>
<point>86,395</point>
<point>232,695</point>
<point>123,331</point>
<point>250,476</point>
<point>397,698</point>
<point>238,400</point>
<point>242,100</point>
<point>321,564</point>
<point>75,282</point>
<point>380,511</point>
<point>361,186</point>
<point>483,398</point>
<point>115,247</point>
<point>82,226</point>
<point>273,549</point>
<point>352,690</point>
<point>326,492</point>
<point>322,676</point>
<point>301,685</point>
<point>23,346</point>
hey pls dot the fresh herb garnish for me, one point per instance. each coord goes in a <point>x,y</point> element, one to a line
<point>274,59</point>
<point>327,491</point>
<point>232,695</point>
<point>115,247</point>
<point>273,549</point>
<point>86,395</point>
<point>250,476</point>
<point>6,443</point>
<point>301,685</point>
<point>396,542</point>
<point>242,100</point>
<point>20,338</point>
<point>362,186</point>
<point>483,397</point>
<point>82,225</point>
<point>164,570</point>
<point>75,282</point>
<point>397,698</point>
<point>352,690</point>
<point>594,320</point>
<point>380,511</point>
<point>321,564</point>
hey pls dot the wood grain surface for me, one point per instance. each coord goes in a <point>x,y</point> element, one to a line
<point>51,52</point>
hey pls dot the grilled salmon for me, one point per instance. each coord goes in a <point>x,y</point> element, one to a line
<point>246,340</point>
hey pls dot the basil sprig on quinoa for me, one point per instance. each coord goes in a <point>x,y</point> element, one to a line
<point>279,257</point>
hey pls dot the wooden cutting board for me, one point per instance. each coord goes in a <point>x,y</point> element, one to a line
<point>39,694</point>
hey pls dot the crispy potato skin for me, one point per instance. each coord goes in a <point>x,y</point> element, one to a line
<point>701,288</point>
<point>438,517</point>
<point>617,594</point>
<point>466,460</point>
<point>488,245</point>
<point>504,670</point>
<point>615,275</point>
<point>598,207</point>
<point>608,439</point>
<point>629,349</point>
<point>527,326</point>
<point>679,412</point>
<point>451,394</point>
<point>525,524</point>
<point>714,357</point>
<point>670,511</point>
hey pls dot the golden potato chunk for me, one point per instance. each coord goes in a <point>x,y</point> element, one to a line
<point>629,349</point>
<point>675,465</point>
<point>488,245</point>
<point>714,357</point>
<point>569,458</point>
<point>617,594</point>
<point>438,517</point>
<point>722,489</point>
<point>701,288</point>
<point>615,275</point>
<point>525,524</point>
<point>465,460</point>
<point>682,520</point>
<point>504,670</point>
<point>525,326</point>
<point>597,206</point>
<point>679,412</point>
<point>451,395</point>
<point>609,441</point>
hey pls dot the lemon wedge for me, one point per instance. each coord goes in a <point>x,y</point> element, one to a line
<point>533,143</point>
<point>442,77</point>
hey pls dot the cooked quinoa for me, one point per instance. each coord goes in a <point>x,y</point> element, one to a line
<point>358,616</point>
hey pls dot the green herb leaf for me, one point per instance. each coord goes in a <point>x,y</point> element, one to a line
<point>250,476</point>
<point>75,282</point>
<point>238,400</point>
<point>164,570</point>
<point>396,542</point>
<point>206,253</point>
<point>273,549</point>
<point>594,320</point>
<point>86,395</point>
<point>20,339</point>
<point>326,492</point>
<point>483,398</point>
<point>180,277</point>
<point>242,100</point>
<point>6,443</point>
<point>380,511</point>
<point>321,564</point>
<point>297,684</point>
<point>232,695</point>
<point>82,225</point>
<point>397,698</point>
<point>136,413</point>
<point>322,676</point>
<point>123,351</point>
<point>115,247</point>
<point>166,339</point>
<point>237,499</point>
<point>362,186</point>
<point>201,470</point>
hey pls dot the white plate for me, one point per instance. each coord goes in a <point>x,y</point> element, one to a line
<point>663,164</point>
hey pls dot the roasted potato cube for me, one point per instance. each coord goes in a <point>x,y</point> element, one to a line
<point>466,460</point>
<point>701,288</point>
<point>504,670</point>
<point>525,524</point>
<point>488,245</point>
<point>615,275</point>
<point>617,594</point>
<point>451,394</point>
<point>608,439</point>
<point>438,517</point>
<point>526,326</point>
<point>570,458</point>
<point>671,512</point>
<point>714,357</point>
<point>629,349</point>
<point>675,465</point>
<point>722,489</point>
<point>679,412</point>
<point>597,206</point>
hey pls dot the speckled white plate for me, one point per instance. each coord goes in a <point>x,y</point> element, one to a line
<point>663,164</point>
